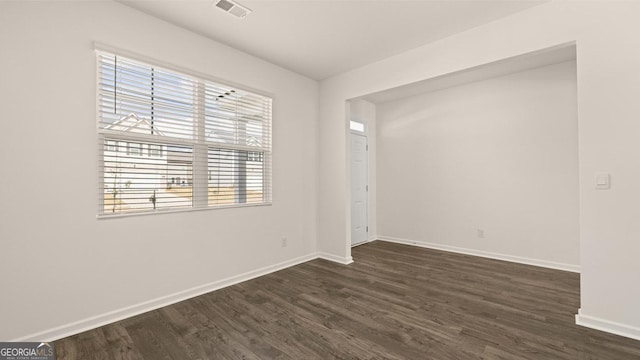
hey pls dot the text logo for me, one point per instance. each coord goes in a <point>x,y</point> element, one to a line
<point>27,351</point>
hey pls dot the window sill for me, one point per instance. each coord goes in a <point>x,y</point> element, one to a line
<point>174,211</point>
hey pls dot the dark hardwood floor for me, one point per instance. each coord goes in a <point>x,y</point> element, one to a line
<point>394,302</point>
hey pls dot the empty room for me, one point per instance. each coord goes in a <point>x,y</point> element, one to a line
<point>221,179</point>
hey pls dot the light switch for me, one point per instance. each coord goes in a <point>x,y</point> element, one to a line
<point>603,181</point>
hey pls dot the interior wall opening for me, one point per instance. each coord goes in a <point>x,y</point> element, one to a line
<point>483,161</point>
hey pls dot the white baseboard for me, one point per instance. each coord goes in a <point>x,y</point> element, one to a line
<point>143,307</point>
<point>486,254</point>
<point>364,242</point>
<point>612,327</point>
<point>340,260</point>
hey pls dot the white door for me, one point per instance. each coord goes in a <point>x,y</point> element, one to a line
<point>359,189</point>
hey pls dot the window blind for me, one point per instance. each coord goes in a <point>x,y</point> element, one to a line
<point>170,140</point>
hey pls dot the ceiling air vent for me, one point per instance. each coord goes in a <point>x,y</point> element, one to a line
<point>233,8</point>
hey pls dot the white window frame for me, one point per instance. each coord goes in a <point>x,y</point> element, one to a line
<point>199,196</point>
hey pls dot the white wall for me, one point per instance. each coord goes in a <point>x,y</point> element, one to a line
<point>500,155</point>
<point>59,264</point>
<point>608,86</point>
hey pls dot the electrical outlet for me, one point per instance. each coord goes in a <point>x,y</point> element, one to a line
<point>284,241</point>
<point>481,233</point>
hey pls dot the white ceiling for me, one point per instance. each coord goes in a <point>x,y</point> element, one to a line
<point>320,39</point>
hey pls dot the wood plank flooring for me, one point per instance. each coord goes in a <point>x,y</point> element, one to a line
<point>394,302</point>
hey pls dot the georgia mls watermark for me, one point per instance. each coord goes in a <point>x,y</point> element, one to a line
<point>27,351</point>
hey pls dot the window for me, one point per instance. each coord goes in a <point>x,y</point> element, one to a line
<point>134,149</point>
<point>173,141</point>
<point>356,126</point>
<point>155,150</point>
<point>255,156</point>
<point>111,146</point>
